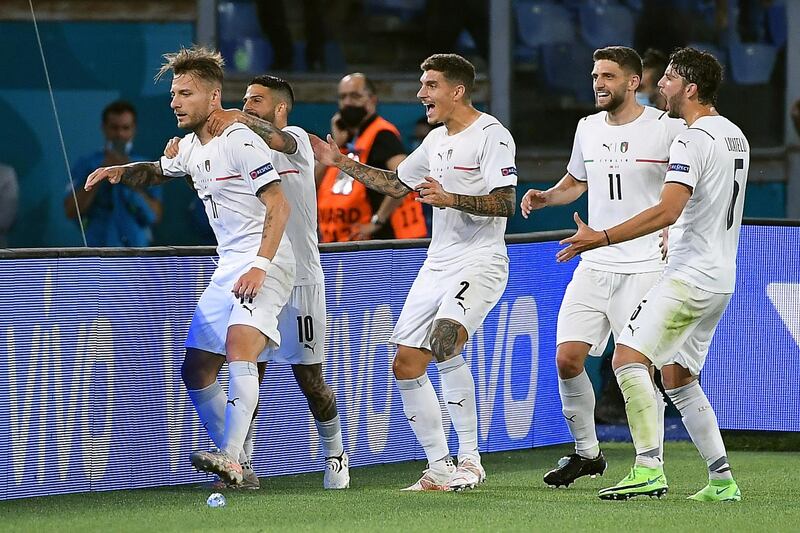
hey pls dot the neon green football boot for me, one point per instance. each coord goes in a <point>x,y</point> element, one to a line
<point>718,490</point>
<point>641,481</point>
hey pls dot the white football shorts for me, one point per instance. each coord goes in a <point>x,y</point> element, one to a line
<point>301,324</point>
<point>464,292</point>
<point>597,304</point>
<point>674,324</point>
<point>218,308</point>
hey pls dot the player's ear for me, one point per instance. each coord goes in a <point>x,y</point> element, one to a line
<point>634,82</point>
<point>459,92</point>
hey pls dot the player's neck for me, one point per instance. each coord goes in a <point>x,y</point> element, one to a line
<point>694,112</point>
<point>625,114</point>
<point>461,119</point>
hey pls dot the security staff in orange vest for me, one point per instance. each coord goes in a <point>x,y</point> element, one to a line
<point>347,210</point>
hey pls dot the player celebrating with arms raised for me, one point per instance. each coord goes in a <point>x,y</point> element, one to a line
<point>673,326</point>
<point>467,170</point>
<point>620,157</point>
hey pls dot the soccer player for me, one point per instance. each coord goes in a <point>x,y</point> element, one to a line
<point>465,169</point>
<point>234,174</point>
<point>620,157</point>
<point>267,104</point>
<point>673,325</point>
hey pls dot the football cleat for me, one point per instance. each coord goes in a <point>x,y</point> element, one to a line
<point>250,481</point>
<point>574,466</point>
<point>718,490</point>
<point>337,472</point>
<point>218,462</point>
<point>435,477</point>
<point>468,475</point>
<point>641,481</point>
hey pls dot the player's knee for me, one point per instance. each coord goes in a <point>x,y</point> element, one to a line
<point>569,363</point>
<point>197,373</point>
<point>404,366</point>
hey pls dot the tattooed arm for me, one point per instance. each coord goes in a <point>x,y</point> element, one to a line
<point>144,174</point>
<point>501,202</point>
<point>277,214</point>
<point>383,181</point>
<point>277,139</point>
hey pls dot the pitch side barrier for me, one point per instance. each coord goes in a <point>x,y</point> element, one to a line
<point>91,342</point>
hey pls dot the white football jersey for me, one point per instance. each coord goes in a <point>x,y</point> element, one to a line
<point>712,158</point>
<point>624,168</point>
<point>297,181</point>
<point>474,162</point>
<point>227,172</point>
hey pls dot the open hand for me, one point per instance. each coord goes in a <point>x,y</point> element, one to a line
<point>112,174</point>
<point>584,239</point>
<point>532,200</point>
<point>326,153</point>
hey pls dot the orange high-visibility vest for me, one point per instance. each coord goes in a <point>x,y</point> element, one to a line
<point>343,202</point>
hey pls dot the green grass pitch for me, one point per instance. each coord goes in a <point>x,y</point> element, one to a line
<point>512,499</point>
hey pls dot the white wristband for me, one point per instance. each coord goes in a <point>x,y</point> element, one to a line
<point>261,262</point>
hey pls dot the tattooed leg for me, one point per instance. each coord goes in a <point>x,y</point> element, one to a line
<point>447,339</point>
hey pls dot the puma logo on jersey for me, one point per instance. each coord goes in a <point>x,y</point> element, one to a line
<point>633,329</point>
<point>251,145</point>
<point>233,402</point>
<point>607,146</point>
<point>249,309</point>
<point>464,308</point>
<point>505,144</point>
<point>459,403</point>
<point>684,143</point>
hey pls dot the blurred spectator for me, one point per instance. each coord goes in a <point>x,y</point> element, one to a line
<point>654,63</point>
<point>347,210</point>
<point>9,197</point>
<point>118,215</point>
<point>447,18</point>
<point>273,21</point>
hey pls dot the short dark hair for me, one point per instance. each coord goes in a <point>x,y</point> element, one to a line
<point>656,60</point>
<point>278,85</point>
<point>205,63</point>
<point>700,68</point>
<point>117,108</point>
<point>455,69</point>
<point>627,58</point>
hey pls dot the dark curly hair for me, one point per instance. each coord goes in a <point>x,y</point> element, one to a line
<point>700,68</point>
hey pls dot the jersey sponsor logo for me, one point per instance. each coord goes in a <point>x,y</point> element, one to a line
<point>260,171</point>
<point>508,171</point>
<point>678,167</point>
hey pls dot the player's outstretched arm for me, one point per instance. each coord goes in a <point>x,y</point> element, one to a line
<point>500,202</point>
<point>143,174</point>
<point>383,181</point>
<point>673,199</point>
<point>277,139</point>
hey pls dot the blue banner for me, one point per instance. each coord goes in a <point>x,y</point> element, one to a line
<point>90,353</point>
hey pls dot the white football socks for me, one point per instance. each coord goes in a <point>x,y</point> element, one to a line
<point>458,389</point>
<point>640,406</point>
<point>242,401</point>
<point>421,407</point>
<point>210,406</point>
<point>701,423</point>
<point>330,434</point>
<point>577,406</point>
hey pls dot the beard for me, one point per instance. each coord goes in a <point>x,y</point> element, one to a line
<point>674,107</point>
<point>614,101</point>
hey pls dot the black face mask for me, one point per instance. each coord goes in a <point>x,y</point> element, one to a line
<point>352,115</point>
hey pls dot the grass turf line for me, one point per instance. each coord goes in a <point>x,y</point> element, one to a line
<point>513,499</point>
